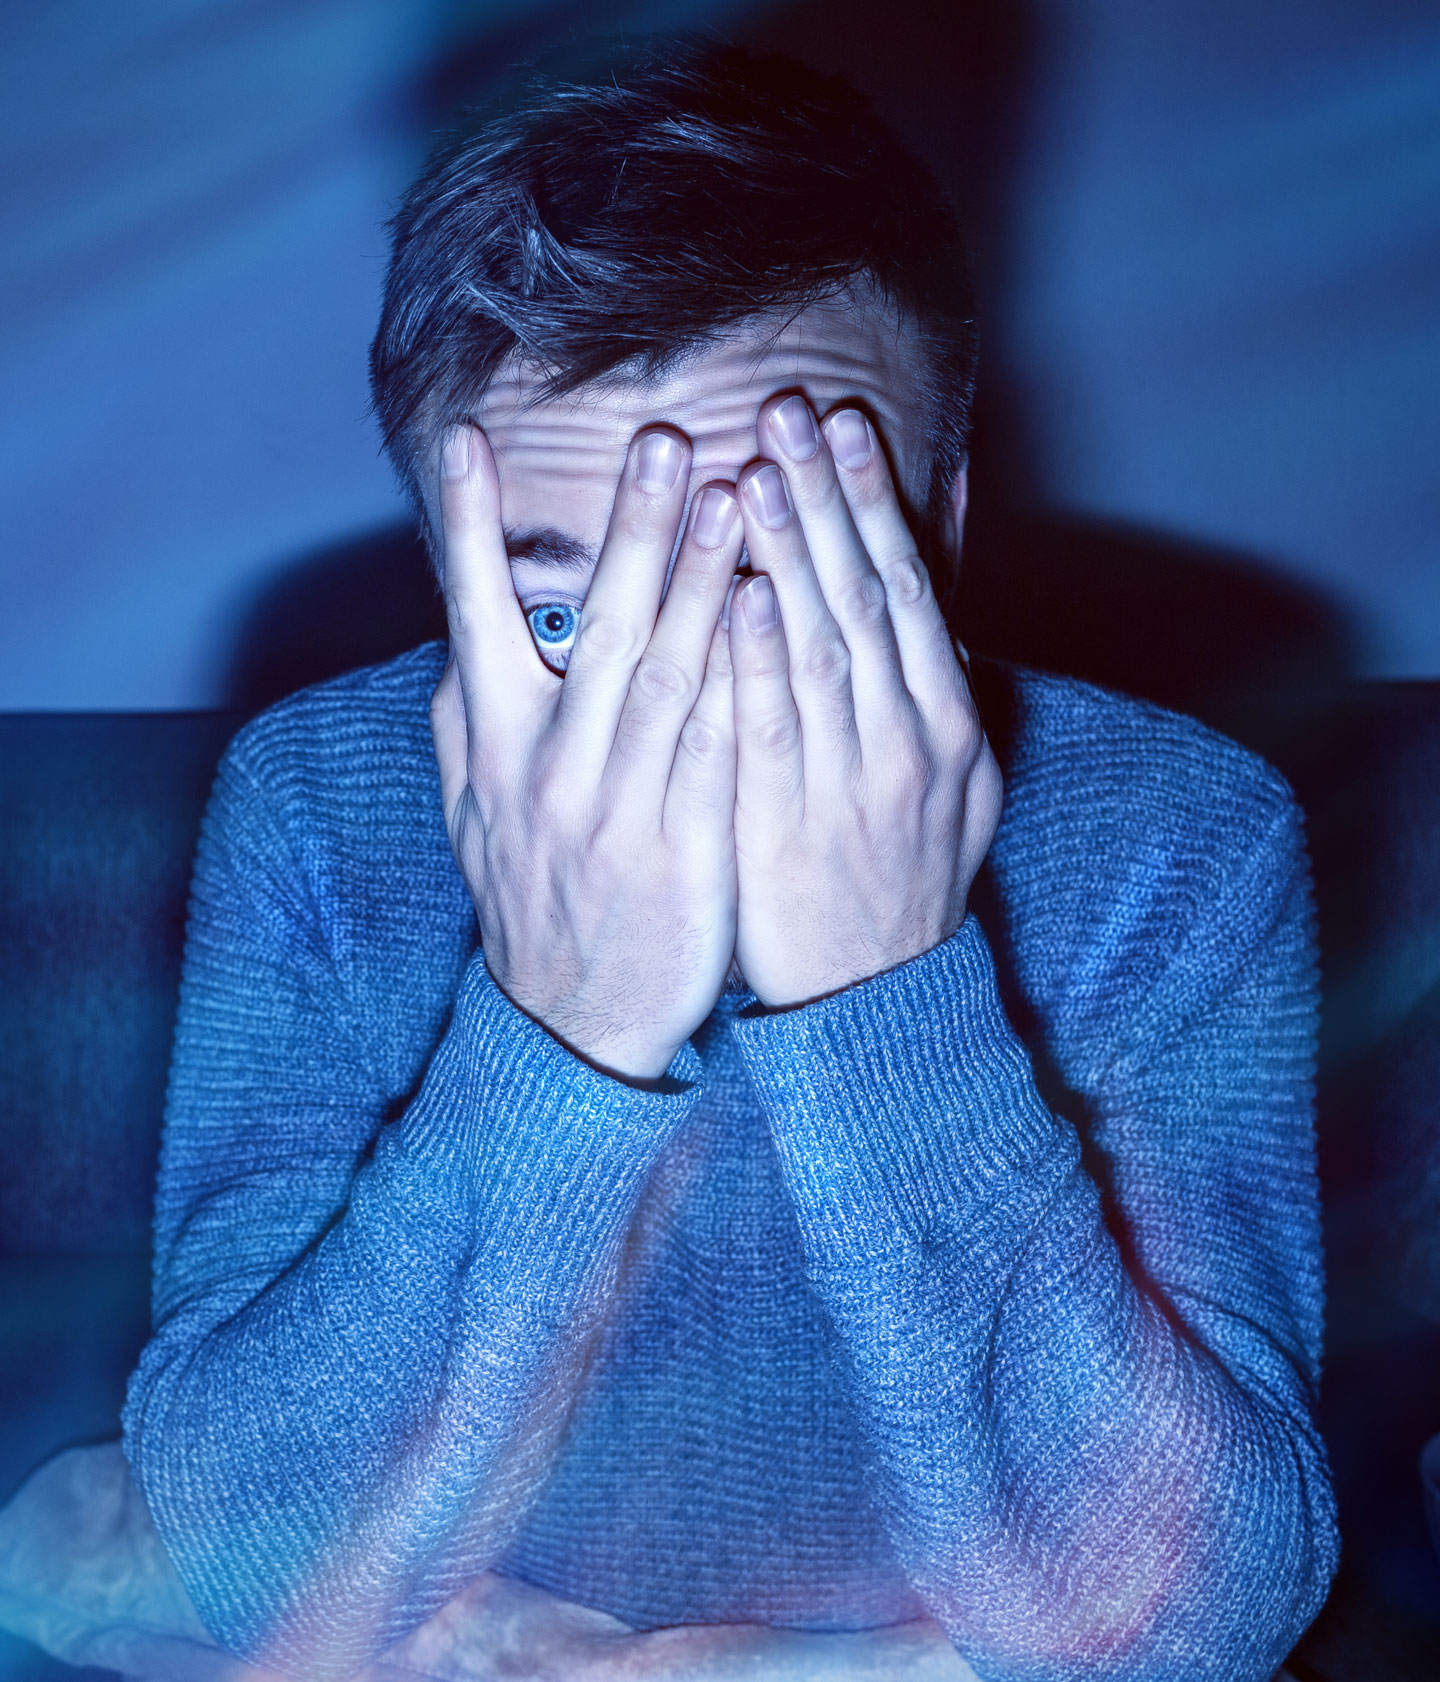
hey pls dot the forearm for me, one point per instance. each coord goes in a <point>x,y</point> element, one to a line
<point>1086,1464</point>
<point>331,1457</point>
<point>1076,1488</point>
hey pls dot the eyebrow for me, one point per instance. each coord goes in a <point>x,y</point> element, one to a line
<point>544,546</point>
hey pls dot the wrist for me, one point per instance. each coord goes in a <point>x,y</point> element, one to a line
<point>622,1050</point>
<point>622,1056</point>
<point>641,1066</point>
<point>789,987</point>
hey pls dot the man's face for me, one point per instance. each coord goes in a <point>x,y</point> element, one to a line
<point>559,459</point>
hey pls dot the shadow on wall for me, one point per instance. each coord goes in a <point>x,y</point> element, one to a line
<point>1205,630</point>
<point>352,603</point>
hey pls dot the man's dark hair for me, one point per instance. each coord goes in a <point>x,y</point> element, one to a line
<point>626,220</point>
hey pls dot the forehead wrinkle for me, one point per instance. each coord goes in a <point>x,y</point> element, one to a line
<point>830,346</point>
<point>815,368</point>
<point>560,457</point>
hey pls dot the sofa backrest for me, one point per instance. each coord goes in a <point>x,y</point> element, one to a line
<point>98,820</point>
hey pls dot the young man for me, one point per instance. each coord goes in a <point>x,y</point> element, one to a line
<point>958,1259</point>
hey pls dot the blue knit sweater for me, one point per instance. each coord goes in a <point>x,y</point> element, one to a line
<point>989,1286</point>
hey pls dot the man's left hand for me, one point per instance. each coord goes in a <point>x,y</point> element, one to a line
<point>867,795</point>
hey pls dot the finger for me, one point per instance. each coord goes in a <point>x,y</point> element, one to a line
<point>700,795</point>
<point>984,801</point>
<point>769,757</point>
<point>624,596</point>
<point>853,589</point>
<point>499,675</point>
<point>447,727</point>
<point>819,660</point>
<point>927,657</point>
<point>668,680</point>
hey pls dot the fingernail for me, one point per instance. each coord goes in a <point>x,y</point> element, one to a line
<point>849,435</point>
<point>769,497</point>
<point>725,605</point>
<point>455,456</point>
<point>657,461</point>
<point>795,427</point>
<point>759,599</point>
<point>714,515</point>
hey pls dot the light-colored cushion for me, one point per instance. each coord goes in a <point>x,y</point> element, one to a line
<point>85,1576</point>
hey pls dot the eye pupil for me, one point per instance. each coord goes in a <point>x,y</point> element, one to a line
<point>553,622</point>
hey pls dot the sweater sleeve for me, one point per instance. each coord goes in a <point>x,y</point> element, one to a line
<point>1086,1373</point>
<point>369,1326</point>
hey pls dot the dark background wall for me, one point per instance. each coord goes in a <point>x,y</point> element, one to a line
<point>1209,235</point>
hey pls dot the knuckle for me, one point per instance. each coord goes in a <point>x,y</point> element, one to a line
<point>863,600</point>
<point>548,797</point>
<point>905,580</point>
<point>606,636</point>
<point>659,678</point>
<point>911,764</point>
<point>917,773</point>
<point>990,785</point>
<point>702,739</point>
<point>777,735</point>
<point>608,836</point>
<point>826,661</point>
<point>959,750</point>
<point>951,750</point>
<point>963,730</point>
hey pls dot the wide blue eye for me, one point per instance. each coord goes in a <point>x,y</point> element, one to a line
<point>553,625</point>
<point>553,621</point>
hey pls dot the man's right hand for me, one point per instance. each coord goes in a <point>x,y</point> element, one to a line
<point>591,815</point>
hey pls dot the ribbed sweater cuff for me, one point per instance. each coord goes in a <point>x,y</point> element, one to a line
<point>539,1157</point>
<point>900,1105</point>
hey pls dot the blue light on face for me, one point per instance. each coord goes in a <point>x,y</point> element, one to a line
<point>553,626</point>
